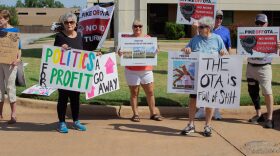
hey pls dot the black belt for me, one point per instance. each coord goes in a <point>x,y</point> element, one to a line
<point>258,65</point>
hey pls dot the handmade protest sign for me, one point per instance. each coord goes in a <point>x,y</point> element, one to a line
<point>8,47</point>
<point>258,41</point>
<point>94,24</point>
<point>138,51</point>
<point>67,69</point>
<point>182,73</point>
<point>105,78</point>
<point>219,81</point>
<point>189,11</point>
<point>39,90</point>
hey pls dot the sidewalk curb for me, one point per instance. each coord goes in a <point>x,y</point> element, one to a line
<point>125,111</point>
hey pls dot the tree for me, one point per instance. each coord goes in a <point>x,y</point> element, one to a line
<point>14,15</point>
<point>19,4</point>
<point>39,4</point>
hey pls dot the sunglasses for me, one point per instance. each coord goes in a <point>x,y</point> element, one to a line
<point>259,23</point>
<point>137,26</point>
<point>219,17</point>
<point>69,22</point>
<point>203,26</point>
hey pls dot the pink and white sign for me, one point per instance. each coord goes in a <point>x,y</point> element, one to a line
<point>105,78</point>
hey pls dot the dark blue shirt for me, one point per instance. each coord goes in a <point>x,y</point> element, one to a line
<point>15,30</point>
<point>225,35</point>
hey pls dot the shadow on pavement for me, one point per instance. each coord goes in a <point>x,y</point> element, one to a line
<point>28,126</point>
<point>135,128</point>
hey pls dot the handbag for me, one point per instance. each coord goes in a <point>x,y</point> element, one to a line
<point>20,79</point>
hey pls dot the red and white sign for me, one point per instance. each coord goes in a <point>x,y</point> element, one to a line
<point>94,23</point>
<point>192,10</point>
<point>258,41</point>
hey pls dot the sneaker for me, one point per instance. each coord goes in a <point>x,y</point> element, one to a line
<point>269,124</point>
<point>62,127</point>
<point>207,131</point>
<point>257,119</point>
<point>217,115</point>
<point>188,130</point>
<point>78,126</point>
<point>200,113</point>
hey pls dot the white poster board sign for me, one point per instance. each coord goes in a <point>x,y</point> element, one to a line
<point>189,11</point>
<point>39,90</point>
<point>182,73</point>
<point>67,69</point>
<point>258,41</point>
<point>219,81</point>
<point>140,51</point>
<point>105,79</point>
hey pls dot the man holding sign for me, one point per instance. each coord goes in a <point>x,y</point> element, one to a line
<point>8,70</point>
<point>209,43</point>
<point>259,73</point>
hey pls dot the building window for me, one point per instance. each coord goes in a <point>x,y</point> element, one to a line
<point>23,13</point>
<point>273,17</point>
<point>228,18</point>
<point>41,13</point>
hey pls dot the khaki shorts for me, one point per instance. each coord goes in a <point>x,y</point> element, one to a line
<point>262,74</point>
<point>7,82</point>
<point>135,78</point>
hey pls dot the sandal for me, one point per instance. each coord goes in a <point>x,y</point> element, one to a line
<point>135,118</point>
<point>156,117</point>
<point>13,120</point>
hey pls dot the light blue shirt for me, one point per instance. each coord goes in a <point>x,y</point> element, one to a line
<point>210,45</point>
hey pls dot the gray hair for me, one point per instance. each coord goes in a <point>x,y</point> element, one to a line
<point>65,17</point>
<point>209,21</point>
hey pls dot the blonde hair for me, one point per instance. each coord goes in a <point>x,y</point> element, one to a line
<point>5,14</point>
<point>137,22</point>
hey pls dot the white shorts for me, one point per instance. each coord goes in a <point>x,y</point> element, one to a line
<point>135,78</point>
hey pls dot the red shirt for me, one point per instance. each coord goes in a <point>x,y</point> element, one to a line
<point>138,68</point>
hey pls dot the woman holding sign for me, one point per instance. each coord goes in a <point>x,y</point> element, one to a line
<point>140,75</point>
<point>8,72</point>
<point>205,42</point>
<point>68,38</point>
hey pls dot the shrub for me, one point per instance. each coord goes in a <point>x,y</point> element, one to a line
<point>174,31</point>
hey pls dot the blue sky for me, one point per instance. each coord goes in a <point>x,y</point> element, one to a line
<point>67,3</point>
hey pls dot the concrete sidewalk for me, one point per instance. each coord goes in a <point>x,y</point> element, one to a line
<point>35,134</point>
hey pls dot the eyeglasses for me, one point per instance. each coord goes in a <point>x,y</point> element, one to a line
<point>203,26</point>
<point>137,26</point>
<point>69,22</point>
<point>259,23</point>
<point>219,17</point>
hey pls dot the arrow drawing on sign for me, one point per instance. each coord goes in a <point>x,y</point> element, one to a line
<point>109,66</point>
<point>91,94</point>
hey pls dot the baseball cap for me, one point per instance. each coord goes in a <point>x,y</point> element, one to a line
<point>219,13</point>
<point>262,18</point>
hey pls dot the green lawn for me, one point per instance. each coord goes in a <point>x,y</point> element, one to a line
<point>121,97</point>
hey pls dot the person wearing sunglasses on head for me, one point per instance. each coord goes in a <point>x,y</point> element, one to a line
<point>68,38</point>
<point>137,76</point>
<point>259,73</point>
<point>210,43</point>
<point>224,33</point>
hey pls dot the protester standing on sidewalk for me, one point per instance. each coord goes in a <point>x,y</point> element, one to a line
<point>68,38</point>
<point>140,75</point>
<point>259,73</point>
<point>8,72</point>
<point>224,33</point>
<point>205,42</point>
